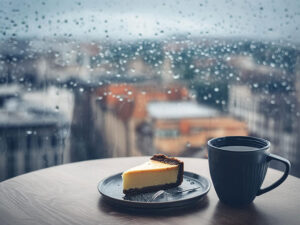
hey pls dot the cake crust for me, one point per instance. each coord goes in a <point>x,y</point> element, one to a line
<point>164,159</point>
<point>172,161</point>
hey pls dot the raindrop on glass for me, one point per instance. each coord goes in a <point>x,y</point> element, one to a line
<point>188,145</point>
<point>176,76</point>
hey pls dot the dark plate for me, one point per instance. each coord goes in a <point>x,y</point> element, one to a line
<point>112,192</point>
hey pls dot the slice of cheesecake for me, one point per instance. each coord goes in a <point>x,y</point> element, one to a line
<point>160,172</point>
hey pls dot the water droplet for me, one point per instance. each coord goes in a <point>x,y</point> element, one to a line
<point>129,92</point>
<point>188,145</point>
<point>216,89</point>
<point>255,85</point>
<point>57,108</point>
<point>81,89</point>
<point>272,102</point>
<point>192,95</point>
<point>169,91</point>
<point>29,132</point>
<point>192,182</point>
<point>100,98</point>
<point>176,76</point>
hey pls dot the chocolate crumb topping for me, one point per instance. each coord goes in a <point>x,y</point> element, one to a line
<point>167,160</point>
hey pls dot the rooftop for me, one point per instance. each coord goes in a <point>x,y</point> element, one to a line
<point>9,90</point>
<point>20,110</point>
<point>19,113</point>
<point>179,109</point>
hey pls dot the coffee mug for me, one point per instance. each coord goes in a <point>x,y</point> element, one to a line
<point>238,165</point>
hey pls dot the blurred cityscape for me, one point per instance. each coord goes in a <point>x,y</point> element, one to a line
<point>65,100</point>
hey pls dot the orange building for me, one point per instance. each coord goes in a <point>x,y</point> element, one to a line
<point>181,126</point>
<point>131,122</point>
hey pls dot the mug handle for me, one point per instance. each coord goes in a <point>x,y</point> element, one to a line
<point>284,176</point>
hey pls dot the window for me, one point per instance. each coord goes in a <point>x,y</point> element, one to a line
<point>120,78</point>
<point>166,133</point>
<point>40,141</point>
<point>53,141</point>
<point>12,144</point>
<point>46,161</point>
<point>56,161</point>
<point>28,142</point>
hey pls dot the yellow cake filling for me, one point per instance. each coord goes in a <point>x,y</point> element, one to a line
<point>151,173</point>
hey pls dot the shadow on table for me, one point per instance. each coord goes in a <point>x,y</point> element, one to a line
<point>166,212</point>
<point>249,215</point>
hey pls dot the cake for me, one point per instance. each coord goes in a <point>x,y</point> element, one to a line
<point>160,172</point>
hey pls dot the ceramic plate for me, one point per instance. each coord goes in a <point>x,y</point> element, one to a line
<point>112,192</point>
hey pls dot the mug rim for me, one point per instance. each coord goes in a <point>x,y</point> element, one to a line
<point>261,140</point>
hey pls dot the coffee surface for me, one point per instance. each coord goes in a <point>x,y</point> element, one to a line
<point>238,148</point>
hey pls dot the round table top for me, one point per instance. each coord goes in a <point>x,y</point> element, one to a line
<point>68,194</point>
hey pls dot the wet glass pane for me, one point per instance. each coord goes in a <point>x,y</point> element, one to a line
<point>84,80</point>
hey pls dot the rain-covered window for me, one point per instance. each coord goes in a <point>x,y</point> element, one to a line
<point>86,79</point>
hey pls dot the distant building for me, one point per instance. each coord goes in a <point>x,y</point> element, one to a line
<point>297,72</point>
<point>268,115</point>
<point>31,136</point>
<point>118,110</point>
<point>148,118</point>
<point>183,126</point>
<point>296,166</point>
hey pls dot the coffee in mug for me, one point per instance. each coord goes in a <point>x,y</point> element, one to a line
<point>238,165</point>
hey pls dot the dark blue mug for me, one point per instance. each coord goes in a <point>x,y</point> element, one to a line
<point>238,165</point>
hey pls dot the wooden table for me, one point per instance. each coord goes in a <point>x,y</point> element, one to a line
<point>68,194</point>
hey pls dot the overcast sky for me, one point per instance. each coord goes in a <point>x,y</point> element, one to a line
<point>131,19</point>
